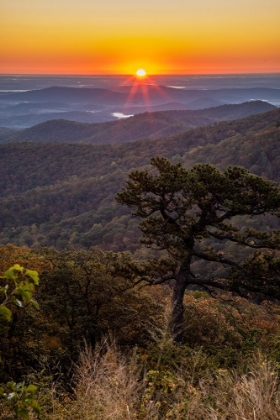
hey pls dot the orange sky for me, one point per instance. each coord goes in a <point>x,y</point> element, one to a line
<point>119,36</point>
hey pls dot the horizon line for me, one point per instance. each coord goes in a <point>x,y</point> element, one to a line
<point>132,74</point>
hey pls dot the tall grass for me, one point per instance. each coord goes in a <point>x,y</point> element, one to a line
<point>169,382</point>
<point>109,386</point>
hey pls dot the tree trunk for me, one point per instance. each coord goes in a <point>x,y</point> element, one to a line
<point>179,289</point>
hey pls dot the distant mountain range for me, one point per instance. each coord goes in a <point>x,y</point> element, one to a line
<point>61,194</point>
<point>146,125</point>
<point>231,95</point>
<point>153,92</point>
<point>66,94</point>
<point>25,109</point>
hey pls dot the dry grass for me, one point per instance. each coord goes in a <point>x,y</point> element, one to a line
<point>254,396</point>
<point>110,387</point>
<point>228,396</point>
<point>107,387</point>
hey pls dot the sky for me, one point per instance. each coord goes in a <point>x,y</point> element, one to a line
<point>120,36</point>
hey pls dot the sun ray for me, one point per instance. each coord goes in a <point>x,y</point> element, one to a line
<point>140,88</point>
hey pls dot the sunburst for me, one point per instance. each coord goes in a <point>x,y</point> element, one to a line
<point>141,73</point>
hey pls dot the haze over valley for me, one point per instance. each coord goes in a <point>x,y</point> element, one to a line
<point>26,101</point>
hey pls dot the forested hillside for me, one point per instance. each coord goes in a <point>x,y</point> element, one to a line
<point>145,125</point>
<point>86,318</point>
<point>6,132</point>
<point>64,194</point>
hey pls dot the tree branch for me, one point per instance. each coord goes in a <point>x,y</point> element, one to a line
<point>243,241</point>
<point>212,257</point>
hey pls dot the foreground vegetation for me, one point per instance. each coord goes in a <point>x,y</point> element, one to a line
<point>106,385</point>
<point>100,346</point>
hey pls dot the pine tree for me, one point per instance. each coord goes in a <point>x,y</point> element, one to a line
<point>184,211</point>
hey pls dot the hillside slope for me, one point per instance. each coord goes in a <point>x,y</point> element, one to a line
<point>63,194</point>
<point>146,125</point>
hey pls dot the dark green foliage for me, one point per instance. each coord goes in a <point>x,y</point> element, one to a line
<point>83,296</point>
<point>16,289</point>
<point>21,399</point>
<point>187,213</point>
<point>92,294</point>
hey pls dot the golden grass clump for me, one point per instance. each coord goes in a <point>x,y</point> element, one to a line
<point>109,386</point>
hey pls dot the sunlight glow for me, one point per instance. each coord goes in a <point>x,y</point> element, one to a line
<point>141,73</point>
<point>109,37</point>
<point>143,87</point>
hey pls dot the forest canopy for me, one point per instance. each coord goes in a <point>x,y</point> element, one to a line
<point>64,194</point>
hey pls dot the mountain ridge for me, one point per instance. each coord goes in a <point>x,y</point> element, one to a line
<point>147,125</point>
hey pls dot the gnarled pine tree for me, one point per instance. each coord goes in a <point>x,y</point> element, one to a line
<point>186,210</point>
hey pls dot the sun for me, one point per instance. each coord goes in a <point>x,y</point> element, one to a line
<point>141,73</point>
